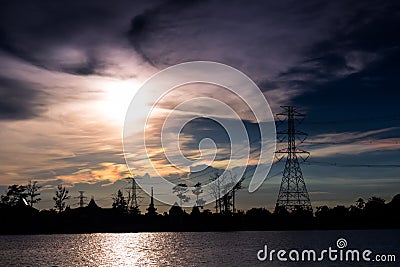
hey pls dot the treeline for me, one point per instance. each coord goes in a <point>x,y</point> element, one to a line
<point>18,216</point>
<point>21,195</point>
<point>29,195</point>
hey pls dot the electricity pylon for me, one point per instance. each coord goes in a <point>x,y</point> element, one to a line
<point>293,193</point>
<point>81,199</point>
<point>133,197</point>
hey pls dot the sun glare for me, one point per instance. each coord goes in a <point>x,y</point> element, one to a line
<point>116,98</point>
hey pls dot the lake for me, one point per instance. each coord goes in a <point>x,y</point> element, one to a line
<point>192,249</point>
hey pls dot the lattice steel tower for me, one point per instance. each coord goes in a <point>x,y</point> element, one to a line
<point>293,192</point>
<point>133,197</point>
<point>82,198</point>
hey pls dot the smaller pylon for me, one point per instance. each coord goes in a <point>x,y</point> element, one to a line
<point>133,197</point>
<point>81,199</point>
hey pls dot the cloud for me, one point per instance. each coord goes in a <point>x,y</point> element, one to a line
<point>348,136</point>
<point>213,30</point>
<point>350,48</point>
<point>73,38</point>
<point>253,37</point>
<point>351,143</point>
<point>105,171</point>
<point>291,50</point>
<point>355,72</point>
<point>54,145</point>
<point>20,99</point>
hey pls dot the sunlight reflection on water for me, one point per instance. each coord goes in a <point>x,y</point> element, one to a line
<point>176,249</point>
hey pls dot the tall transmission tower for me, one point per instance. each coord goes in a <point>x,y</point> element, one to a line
<point>293,192</point>
<point>133,197</point>
<point>81,199</point>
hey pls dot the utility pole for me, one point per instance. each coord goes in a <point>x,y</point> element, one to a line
<point>293,192</point>
<point>81,199</point>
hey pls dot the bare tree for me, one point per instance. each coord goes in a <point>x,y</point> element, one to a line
<point>32,192</point>
<point>227,197</point>
<point>224,189</point>
<point>60,198</point>
<point>236,187</point>
<point>220,189</point>
<point>215,189</point>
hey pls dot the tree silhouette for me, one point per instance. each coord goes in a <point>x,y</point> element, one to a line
<point>395,201</point>
<point>198,191</point>
<point>32,192</point>
<point>375,207</point>
<point>360,203</point>
<point>60,198</point>
<point>322,211</point>
<point>376,200</point>
<point>258,212</point>
<point>237,187</point>
<point>216,191</point>
<point>14,195</point>
<point>120,203</point>
<point>180,191</point>
<point>222,189</point>
<point>134,210</point>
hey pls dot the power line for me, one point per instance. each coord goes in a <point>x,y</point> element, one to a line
<point>356,120</point>
<point>353,142</point>
<point>335,164</point>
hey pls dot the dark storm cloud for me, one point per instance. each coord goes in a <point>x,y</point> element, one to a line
<point>355,73</point>
<point>369,35</point>
<point>329,57</point>
<point>143,25</point>
<point>137,33</point>
<point>19,99</point>
<point>261,37</point>
<point>308,47</point>
<point>29,28</point>
<point>67,37</point>
<point>62,37</point>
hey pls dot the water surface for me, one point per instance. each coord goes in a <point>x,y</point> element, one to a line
<point>184,249</point>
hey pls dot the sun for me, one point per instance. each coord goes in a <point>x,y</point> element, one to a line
<point>116,96</point>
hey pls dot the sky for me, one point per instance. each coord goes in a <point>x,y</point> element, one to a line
<point>70,69</point>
